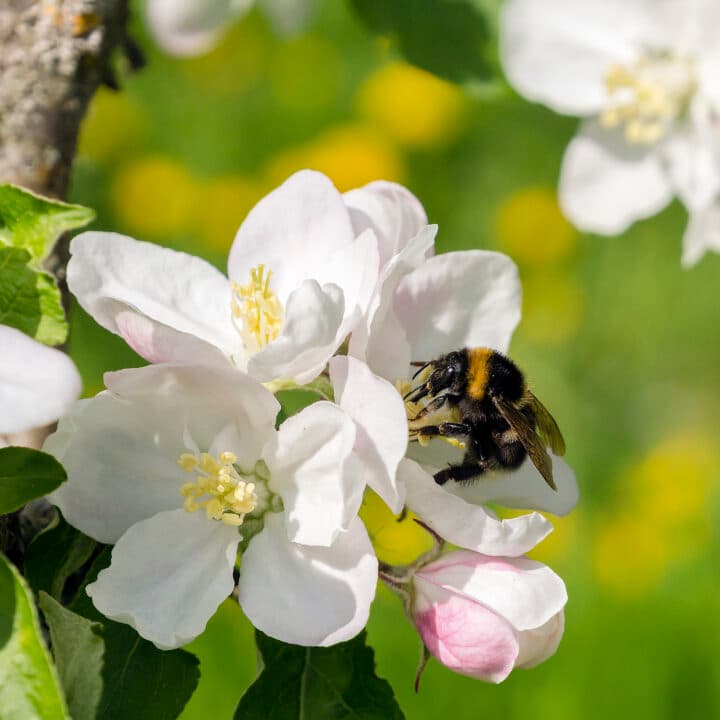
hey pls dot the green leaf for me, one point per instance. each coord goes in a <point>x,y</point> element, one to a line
<point>303,683</point>
<point>30,301</point>
<point>34,223</point>
<point>139,681</point>
<point>55,554</point>
<point>78,650</point>
<point>25,475</point>
<point>451,38</point>
<point>29,688</point>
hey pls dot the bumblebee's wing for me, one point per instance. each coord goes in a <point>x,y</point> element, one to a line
<point>529,439</point>
<point>546,426</point>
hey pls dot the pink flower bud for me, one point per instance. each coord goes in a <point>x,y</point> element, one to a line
<point>483,616</point>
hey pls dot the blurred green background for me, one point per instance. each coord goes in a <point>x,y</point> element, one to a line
<point>620,342</point>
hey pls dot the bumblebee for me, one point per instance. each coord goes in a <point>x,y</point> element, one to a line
<point>500,419</point>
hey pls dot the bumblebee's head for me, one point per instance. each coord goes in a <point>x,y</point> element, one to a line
<point>447,373</point>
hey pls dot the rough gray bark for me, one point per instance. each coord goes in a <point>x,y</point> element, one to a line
<point>54,55</point>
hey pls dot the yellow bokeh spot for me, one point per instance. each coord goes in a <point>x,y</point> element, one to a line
<point>350,156</point>
<point>532,229</point>
<point>112,124</point>
<point>560,542</point>
<point>305,72</point>
<point>631,555</point>
<point>411,106</point>
<point>155,196</point>
<point>225,203</point>
<point>553,307</point>
<point>396,542</point>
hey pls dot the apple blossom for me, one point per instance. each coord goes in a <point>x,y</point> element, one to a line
<point>194,27</point>
<point>484,616</point>
<point>176,465</point>
<point>645,76</point>
<point>37,383</point>
<point>300,279</point>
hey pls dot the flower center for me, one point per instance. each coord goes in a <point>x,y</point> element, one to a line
<point>219,489</point>
<point>647,96</point>
<point>257,314</point>
<point>418,418</point>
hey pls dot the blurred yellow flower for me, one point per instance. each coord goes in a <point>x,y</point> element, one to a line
<point>112,124</point>
<point>305,72</point>
<point>532,229</point>
<point>155,196</point>
<point>411,106</point>
<point>225,202</point>
<point>397,542</point>
<point>553,307</point>
<point>350,155</point>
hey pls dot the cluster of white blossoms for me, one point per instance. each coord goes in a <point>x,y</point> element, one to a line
<point>645,77</point>
<point>181,464</point>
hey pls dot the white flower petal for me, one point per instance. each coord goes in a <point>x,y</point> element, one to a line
<point>191,27</point>
<point>525,592</point>
<point>293,231</point>
<point>539,644</point>
<point>308,595</point>
<point>523,488</point>
<point>459,299</point>
<point>606,184</point>
<point>288,16</point>
<point>37,383</point>
<point>391,210</point>
<point>379,416</point>
<point>557,52</point>
<point>312,332</point>
<point>168,575</point>
<point>167,305</point>
<point>467,525</point>
<point>309,469</point>
<point>380,339</point>
<point>702,234</point>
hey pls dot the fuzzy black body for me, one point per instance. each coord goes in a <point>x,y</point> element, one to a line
<point>477,382</point>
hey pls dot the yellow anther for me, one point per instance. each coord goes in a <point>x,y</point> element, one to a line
<point>219,489</point>
<point>256,311</point>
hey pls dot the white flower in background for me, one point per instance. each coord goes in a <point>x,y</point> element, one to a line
<point>37,384</point>
<point>194,27</point>
<point>177,464</point>
<point>300,280</point>
<point>645,76</point>
<point>423,307</point>
<point>483,616</point>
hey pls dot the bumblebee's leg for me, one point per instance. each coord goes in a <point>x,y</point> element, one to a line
<point>431,407</point>
<point>445,429</point>
<point>458,472</point>
<point>511,454</point>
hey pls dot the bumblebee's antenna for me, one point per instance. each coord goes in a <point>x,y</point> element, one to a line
<point>420,366</point>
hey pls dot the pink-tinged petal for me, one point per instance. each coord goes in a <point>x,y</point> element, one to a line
<point>390,210</point>
<point>557,52</point>
<point>524,592</point>
<point>308,595</point>
<point>170,305</point>
<point>523,488</point>
<point>310,468</point>
<point>377,410</point>
<point>37,383</point>
<point>293,231</point>
<point>459,299</point>
<point>380,339</point>
<point>606,184</point>
<point>467,525</point>
<point>538,645</point>
<point>463,635</point>
<point>312,332</point>
<point>702,234</point>
<point>191,27</point>
<point>168,576</point>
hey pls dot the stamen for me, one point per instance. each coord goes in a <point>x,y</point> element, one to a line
<point>256,312</point>
<point>219,488</point>
<point>648,96</point>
